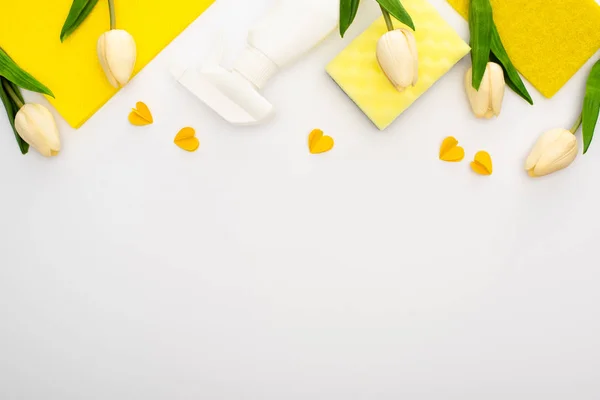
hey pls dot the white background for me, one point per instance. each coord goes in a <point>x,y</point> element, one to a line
<point>253,270</point>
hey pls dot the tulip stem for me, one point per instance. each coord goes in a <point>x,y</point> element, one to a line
<point>113,18</point>
<point>575,127</point>
<point>388,19</point>
<point>12,94</point>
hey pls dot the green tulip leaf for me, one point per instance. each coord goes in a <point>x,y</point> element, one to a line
<point>17,91</point>
<point>395,8</point>
<point>11,111</point>
<point>348,10</point>
<point>513,79</point>
<point>80,9</point>
<point>481,22</point>
<point>591,106</point>
<point>12,72</point>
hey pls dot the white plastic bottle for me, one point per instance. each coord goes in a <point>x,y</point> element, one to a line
<point>289,30</point>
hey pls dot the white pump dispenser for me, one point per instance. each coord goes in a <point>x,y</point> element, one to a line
<point>289,30</point>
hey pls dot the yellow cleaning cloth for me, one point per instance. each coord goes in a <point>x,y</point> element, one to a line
<point>357,71</point>
<point>30,34</point>
<point>547,41</point>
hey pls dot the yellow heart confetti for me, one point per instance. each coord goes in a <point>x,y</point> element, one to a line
<point>186,139</point>
<point>140,115</point>
<point>482,163</point>
<point>319,143</point>
<point>450,150</point>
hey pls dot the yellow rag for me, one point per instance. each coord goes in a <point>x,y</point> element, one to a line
<point>547,41</point>
<point>30,34</point>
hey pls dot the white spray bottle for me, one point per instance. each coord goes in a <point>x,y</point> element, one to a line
<point>288,31</point>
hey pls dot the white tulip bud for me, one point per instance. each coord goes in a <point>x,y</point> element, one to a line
<point>36,125</point>
<point>398,57</point>
<point>117,54</point>
<point>487,101</point>
<point>554,150</point>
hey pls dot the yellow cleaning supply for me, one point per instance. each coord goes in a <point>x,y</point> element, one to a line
<point>547,41</point>
<point>358,73</point>
<point>30,32</point>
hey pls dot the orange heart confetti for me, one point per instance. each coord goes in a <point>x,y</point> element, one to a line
<point>141,115</point>
<point>186,139</point>
<point>482,164</point>
<point>450,151</point>
<point>319,143</point>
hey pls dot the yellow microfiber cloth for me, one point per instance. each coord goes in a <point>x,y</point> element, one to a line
<point>357,71</point>
<point>547,41</point>
<point>30,32</point>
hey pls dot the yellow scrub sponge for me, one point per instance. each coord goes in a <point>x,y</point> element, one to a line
<point>547,41</point>
<point>30,32</point>
<point>357,71</point>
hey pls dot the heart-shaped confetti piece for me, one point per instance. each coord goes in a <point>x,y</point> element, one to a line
<point>140,115</point>
<point>319,143</point>
<point>482,163</point>
<point>186,139</point>
<point>450,150</point>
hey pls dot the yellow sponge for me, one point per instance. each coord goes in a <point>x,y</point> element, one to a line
<point>548,41</point>
<point>357,71</point>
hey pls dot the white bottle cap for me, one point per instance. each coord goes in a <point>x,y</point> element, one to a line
<point>255,67</point>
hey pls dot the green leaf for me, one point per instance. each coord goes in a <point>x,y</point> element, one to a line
<point>481,22</point>
<point>591,106</point>
<point>12,72</point>
<point>17,91</point>
<point>395,8</point>
<point>80,9</point>
<point>348,10</point>
<point>11,111</point>
<point>513,79</point>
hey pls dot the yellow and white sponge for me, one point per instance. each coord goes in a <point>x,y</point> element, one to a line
<point>358,74</point>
